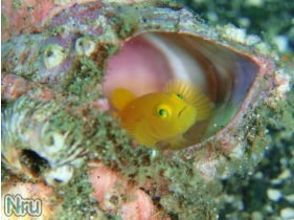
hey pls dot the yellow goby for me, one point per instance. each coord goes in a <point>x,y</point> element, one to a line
<point>161,116</point>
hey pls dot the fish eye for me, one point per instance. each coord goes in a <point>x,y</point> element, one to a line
<point>180,96</point>
<point>163,111</point>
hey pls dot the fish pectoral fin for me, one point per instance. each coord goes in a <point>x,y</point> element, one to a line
<point>144,136</point>
<point>145,139</point>
<point>120,97</point>
<point>139,133</point>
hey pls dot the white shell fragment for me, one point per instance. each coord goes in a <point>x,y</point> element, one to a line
<point>283,176</point>
<point>287,213</point>
<point>59,175</point>
<point>274,194</point>
<point>85,46</point>
<point>53,56</point>
<point>290,198</point>
<point>256,216</point>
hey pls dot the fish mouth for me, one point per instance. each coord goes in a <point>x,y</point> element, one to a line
<point>180,112</point>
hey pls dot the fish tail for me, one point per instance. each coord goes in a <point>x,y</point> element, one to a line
<point>120,98</point>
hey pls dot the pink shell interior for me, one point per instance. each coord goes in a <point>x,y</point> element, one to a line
<point>139,67</point>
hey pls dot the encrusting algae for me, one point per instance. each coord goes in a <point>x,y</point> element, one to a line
<point>161,119</point>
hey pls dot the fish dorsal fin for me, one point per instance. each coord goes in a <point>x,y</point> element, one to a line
<point>192,96</point>
<point>184,90</point>
<point>120,98</point>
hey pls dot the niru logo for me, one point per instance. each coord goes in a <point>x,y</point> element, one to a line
<point>18,206</point>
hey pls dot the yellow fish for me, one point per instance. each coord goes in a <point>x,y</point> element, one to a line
<point>161,117</point>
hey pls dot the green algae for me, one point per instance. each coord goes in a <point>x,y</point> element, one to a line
<point>190,196</point>
<point>17,4</point>
<point>78,202</point>
<point>5,174</point>
<point>83,80</point>
<point>4,21</point>
<point>125,22</point>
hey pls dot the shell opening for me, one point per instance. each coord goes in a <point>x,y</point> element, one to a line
<point>145,63</point>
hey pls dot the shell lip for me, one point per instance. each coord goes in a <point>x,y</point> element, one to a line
<point>266,67</point>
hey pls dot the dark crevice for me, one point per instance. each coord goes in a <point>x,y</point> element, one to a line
<point>34,162</point>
